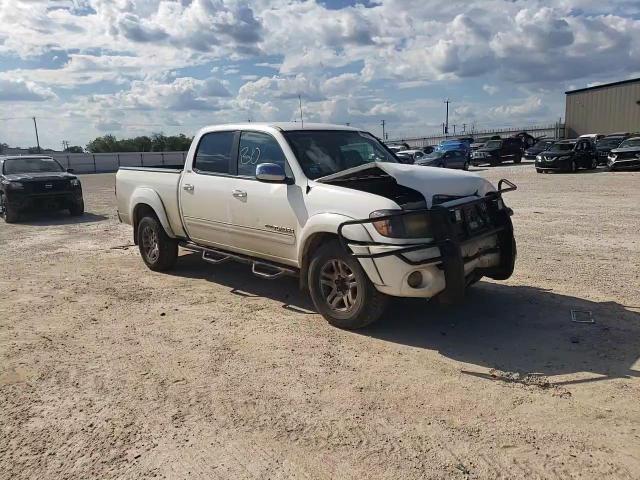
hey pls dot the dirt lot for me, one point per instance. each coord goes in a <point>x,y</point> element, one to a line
<point>108,370</point>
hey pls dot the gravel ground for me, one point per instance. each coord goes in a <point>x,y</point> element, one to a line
<point>109,370</point>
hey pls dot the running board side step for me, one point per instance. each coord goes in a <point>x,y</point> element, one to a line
<point>260,268</point>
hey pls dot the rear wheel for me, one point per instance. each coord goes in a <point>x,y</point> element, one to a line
<point>466,165</point>
<point>157,249</point>
<point>341,290</point>
<point>517,159</point>
<point>573,168</point>
<point>9,213</point>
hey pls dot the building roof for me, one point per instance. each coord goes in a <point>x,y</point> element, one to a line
<point>605,85</point>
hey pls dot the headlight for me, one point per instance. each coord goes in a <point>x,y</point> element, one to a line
<point>613,156</point>
<point>401,226</point>
<point>74,182</point>
<point>14,185</point>
<point>538,157</point>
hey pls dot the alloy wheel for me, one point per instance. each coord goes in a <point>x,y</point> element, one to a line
<point>339,285</point>
<point>150,244</point>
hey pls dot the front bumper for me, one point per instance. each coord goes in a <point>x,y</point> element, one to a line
<point>553,164</point>
<point>623,164</point>
<point>58,200</point>
<point>456,256</point>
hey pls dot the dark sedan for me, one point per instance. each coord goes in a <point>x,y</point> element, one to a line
<point>606,144</point>
<point>532,152</point>
<point>37,182</point>
<point>568,156</point>
<point>626,156</point>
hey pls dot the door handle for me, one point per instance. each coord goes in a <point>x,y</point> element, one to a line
<point>239,194</point>
<point>188,187</point>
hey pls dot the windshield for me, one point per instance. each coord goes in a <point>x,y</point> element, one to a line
<point>609,142</point>
<point>447,146</point>
<point>482,139</point>
<point>325,152</point>
<point>493,144</point>
<point>31,165</point>
<point>632,142</point>
<point>543,144</point>
<point>562,147</point>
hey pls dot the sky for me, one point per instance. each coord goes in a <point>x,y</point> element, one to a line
<point>86,68</point>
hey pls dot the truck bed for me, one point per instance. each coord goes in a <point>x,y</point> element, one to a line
<point>155,186</point>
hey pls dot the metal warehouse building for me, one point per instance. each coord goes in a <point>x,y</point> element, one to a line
<point>609,108</point>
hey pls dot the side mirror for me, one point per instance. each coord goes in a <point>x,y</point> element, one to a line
<point>70,170</point>
<point>270,173</point>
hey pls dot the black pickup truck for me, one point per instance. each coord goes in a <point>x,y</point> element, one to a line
<point>37,182</point>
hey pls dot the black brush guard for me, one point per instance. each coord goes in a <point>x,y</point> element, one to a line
<point>452,229</point>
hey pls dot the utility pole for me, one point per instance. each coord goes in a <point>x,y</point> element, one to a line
<point>37,139</point>
<point>446,124</point>
<point>464,128</point>
<point>300,102</point>
<point>383,130</point>
<point>454,128</point>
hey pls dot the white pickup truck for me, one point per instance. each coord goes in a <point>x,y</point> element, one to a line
<point>329,204</point>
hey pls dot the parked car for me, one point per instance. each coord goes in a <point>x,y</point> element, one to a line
<point>594,137</point>
<point>496,151</point>
<point>568,156</point>
<point>37,182</point>
<point>450,159</point>
<point>526,140</point>
<point>626,156</point>
<point>398,147</point>
<point>410,156</point>
<point>480,142</point>
<point>606,144</point>
<point>455,144</point>
<point>542,145</point>
<point>428,149</point>
<point>328,204</point>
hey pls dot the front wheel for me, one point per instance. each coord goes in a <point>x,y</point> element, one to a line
<point>157,249</point>
<point>77,209</point>
<point>517,159</point>
<point>466,165</point>
<point>341,290</point>
<point>9,213</point>
<point>539,170</point>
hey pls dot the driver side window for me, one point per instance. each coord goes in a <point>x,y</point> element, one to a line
<point>256,148</point>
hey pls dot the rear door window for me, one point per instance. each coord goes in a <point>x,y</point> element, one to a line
<point>214,153</point>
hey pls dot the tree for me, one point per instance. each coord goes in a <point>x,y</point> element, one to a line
<point>158,142</point>
<point>74,149</point>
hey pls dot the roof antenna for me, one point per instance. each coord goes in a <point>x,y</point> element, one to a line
<point>300,102</point>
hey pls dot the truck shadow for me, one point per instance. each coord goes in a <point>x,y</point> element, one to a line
<point>520,329</point>
<point>510,328</point>
<point>58,218</point>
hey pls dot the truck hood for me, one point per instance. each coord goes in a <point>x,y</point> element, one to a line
<point>429,181</point>
<point>39,176</point>
<point>626,150</point>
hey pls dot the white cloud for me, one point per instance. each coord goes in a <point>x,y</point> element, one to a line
<point>18,90</point>
<point>490,89</point>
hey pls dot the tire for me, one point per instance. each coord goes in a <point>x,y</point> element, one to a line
<point>466,165</point>
<point>539,170</point>
<point>517,159</point>
<point>77,209</point>
<point>573,168</point>
<point>494,162</point>
<point>333,276</point>
<point>158,251</point>
<point>594,164</point>
<point>9,214</point>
